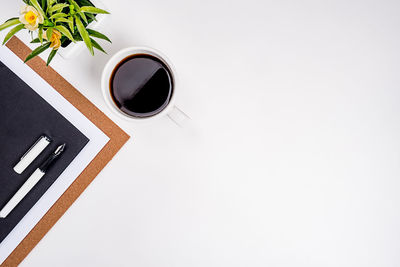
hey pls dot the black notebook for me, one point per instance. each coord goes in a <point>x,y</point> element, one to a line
<point>24,117</point>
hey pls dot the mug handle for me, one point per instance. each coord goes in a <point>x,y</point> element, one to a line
<point>179,117</point>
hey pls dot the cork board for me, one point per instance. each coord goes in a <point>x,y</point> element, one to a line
<point>117,139</point>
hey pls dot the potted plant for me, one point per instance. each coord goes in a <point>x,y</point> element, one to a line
<point>58,23</point>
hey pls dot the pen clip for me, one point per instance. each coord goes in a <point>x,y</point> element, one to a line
<point>37,141</point>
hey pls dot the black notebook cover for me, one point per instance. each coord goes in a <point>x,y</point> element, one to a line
<point>24,117</point>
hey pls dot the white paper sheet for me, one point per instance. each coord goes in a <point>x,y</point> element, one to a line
<point>97,141</point>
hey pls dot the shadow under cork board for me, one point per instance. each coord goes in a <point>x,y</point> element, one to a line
<point>117,138</point>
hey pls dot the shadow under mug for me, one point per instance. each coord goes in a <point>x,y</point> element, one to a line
<point>170,110</point>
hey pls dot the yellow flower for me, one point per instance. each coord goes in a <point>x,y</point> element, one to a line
<point>30,17</point>
<point>55,39</point>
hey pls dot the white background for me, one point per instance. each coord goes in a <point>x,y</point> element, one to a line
<point>295,156</point>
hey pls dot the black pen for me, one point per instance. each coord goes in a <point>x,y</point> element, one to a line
<point>31,182</point>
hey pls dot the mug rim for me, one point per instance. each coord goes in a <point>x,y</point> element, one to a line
<point>115,60</point>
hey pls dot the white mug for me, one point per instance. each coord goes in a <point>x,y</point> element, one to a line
<point>174,113</point>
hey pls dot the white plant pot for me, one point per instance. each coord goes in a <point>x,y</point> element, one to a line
<point>73,49</point>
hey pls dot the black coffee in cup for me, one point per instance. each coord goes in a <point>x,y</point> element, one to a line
<point>141,85</point>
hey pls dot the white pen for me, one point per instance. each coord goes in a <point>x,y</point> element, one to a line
<point>32,154</point>
<point>31,182</point>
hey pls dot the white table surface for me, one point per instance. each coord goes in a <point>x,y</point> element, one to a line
<point>295,156</point>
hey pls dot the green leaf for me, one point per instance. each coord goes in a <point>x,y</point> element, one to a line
<point>9,23</point>
<point>40,34</point>
<point>62,20</point>
<point>84,3</point>
<point>57,7</point>
<point>49,3</point>
<point>58,15</point>
<point>97,46</point>
<point>83,17</point>
<point>37,51</point>
<point>71,24</point>
<point>77,7</point>
<point>38,7</point>
<point>11,19</point>
<point>12,32</point>
<point>97,34</point>
<point>51,56</point>
<point>91,17</point>
<point>72,2</point>
<point>49,33</point>
<point>66,32</point>
<point>93,10</point>
<point>43,4</point>
<point>35,41</point>
<point>85,35</point>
